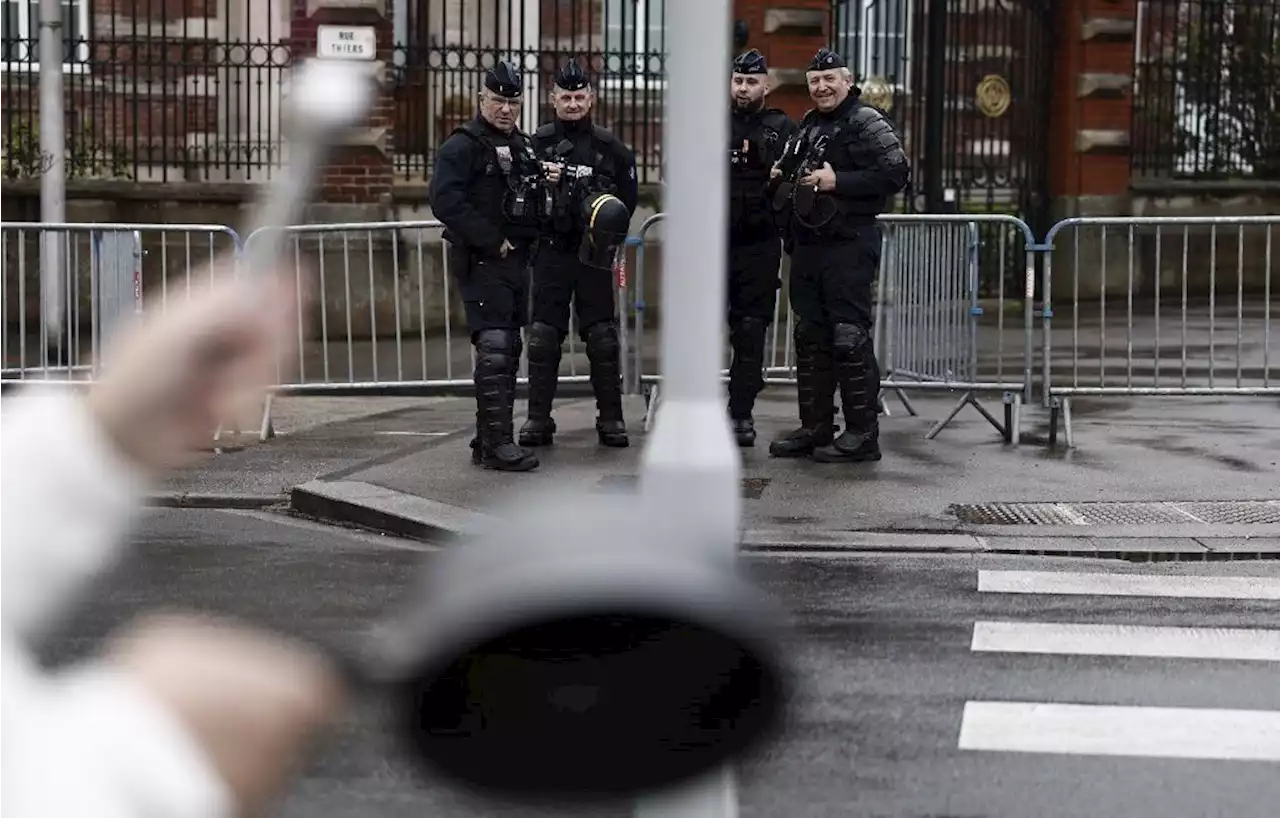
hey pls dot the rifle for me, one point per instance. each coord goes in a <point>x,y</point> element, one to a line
<point>577,182</point>
<point>800,157</point>
<point>525,206</point>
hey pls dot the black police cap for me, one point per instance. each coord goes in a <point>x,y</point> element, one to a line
<point>504,80</point>
<point>826,59</point>
<point>750,62</point>
<point>571,77</point>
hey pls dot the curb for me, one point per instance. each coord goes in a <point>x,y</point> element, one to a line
<point>173,499</point>
<point>353,502</point>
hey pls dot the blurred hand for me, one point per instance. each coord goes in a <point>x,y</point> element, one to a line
<point>506,247</point>
<point>250,700</point>
<point>169,379</point>
<point>775,171</point>
<point>552,171</point>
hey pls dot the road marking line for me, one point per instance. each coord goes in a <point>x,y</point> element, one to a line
<point>1158,732</point>
<point>1127,640</point>
<point>1072,583</point>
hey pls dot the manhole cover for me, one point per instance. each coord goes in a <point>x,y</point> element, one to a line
<point>752,487</point>
<point>1237,512</point>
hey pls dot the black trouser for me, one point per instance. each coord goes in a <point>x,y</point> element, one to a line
<point>831,295</point>
<point>495,296</point>
<point>559,279</point>
<point>753,293</point>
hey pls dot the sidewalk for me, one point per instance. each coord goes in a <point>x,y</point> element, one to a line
<point>1178,478</point>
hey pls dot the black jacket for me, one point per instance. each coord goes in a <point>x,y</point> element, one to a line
<point>765,132</point>
<point>469,185</point>
<point>866,155</point>
<point>607,155</point>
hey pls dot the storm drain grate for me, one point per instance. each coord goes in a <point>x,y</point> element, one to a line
<point>1238,512</point>
<point>752,487</point>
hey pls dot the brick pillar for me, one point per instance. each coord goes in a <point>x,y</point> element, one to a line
<point>1092,119</point>
<point>357,182</point>
<point>787,34</point>
<point>1093,107</point>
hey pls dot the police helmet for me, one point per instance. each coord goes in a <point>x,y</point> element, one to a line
<point>751,62</point>
<point>608,222</point>
<point>504,79</point>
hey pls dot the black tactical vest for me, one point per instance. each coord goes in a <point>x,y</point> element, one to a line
<point>589,168</point>
<point>749,170</point>
<point>508,180</point>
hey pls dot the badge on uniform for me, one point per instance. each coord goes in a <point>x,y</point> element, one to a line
<point>504,157</point>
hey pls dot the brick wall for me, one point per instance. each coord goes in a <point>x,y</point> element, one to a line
<point>359,174</point>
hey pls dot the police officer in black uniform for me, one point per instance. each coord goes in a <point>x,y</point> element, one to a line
<point>756,139</point>
<point>839,171</point>
<point>590,160</point>
<point>490,191</point>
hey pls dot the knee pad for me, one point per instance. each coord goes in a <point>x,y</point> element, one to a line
<point>809,334</point>
<point>493,350</point>
<point>602,341</point>
<point>850,341</point>
<point>751,326</point>
<point>544,342</point>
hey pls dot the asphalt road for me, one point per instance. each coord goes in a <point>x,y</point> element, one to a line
<point>892,680</point>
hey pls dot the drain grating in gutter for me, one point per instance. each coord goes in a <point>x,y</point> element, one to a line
<point>1231,512</point>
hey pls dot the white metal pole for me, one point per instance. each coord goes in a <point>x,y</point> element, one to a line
<point>691,473</point>
<point>53,147</point>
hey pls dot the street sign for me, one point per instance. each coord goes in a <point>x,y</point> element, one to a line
<point>346,42</point>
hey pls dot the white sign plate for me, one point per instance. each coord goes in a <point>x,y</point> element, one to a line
<point>346,42</point>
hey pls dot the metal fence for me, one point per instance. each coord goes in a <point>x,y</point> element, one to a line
<point>1132,307</point>
<point>381,311</point>
<point>155,95</point>
<point>1158,307</point>
<point>54,328</point>
<point>1205,74</point>
<point>945,321</point>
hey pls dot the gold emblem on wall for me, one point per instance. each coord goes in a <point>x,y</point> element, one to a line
<point>993,95</point>
<point>878,92</point>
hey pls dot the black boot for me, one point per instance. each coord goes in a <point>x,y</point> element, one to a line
<point>859,378</point>
<point>495,394</point>
<point>815,392</point>
<point>746,375</point>
<point>603,353</point>
<point>544,375</point>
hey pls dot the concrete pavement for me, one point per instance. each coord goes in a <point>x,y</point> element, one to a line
<point>1187,478</point>
<point>888,650</point>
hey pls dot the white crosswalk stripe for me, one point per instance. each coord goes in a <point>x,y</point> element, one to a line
<point>1127,640</point>
<point>1101,729</point>
<point>1067,582</point>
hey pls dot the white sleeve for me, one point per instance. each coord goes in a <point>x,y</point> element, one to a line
<point>67,499</point>
<point>89,742</point>
<point>83,742</point>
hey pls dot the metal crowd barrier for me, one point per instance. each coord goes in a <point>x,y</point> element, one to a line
<point>931,328</point>
<point>360,339</point>
<point>1132,306</point>
<point>55,326</point>
<point>1157,306</point>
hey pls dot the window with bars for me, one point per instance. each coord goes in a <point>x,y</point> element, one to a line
<point>874,37</point>
<point>20,35</point>
<point>634,42</point>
